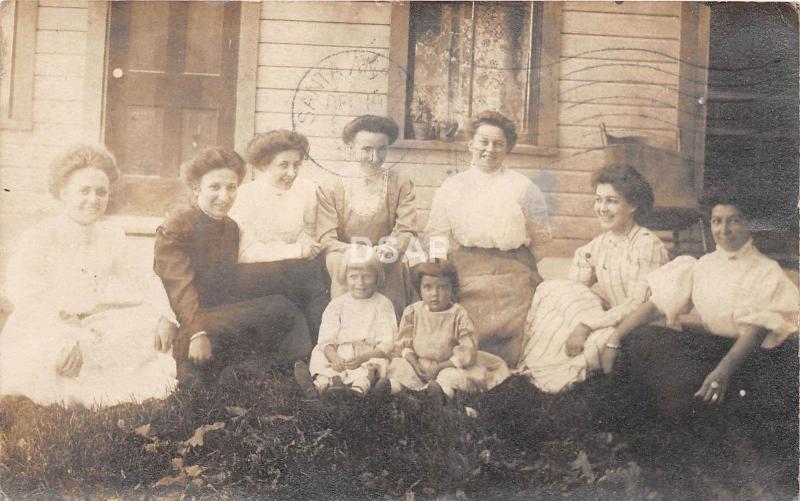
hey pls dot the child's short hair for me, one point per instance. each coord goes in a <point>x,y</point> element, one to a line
<point>440,268</point>
<point>362,257</point>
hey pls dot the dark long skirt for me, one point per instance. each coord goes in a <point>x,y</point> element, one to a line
<point>300,280</point>
<point>496,290</point>
<point>660,369</point>
<point>262,329</point>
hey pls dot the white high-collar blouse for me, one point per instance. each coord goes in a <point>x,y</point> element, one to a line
<point>273,222</point>
<point>500,210</point>
<point>731,291</point>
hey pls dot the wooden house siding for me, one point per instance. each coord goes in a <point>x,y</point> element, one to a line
<point>619,66</point>
<point>58,108</point>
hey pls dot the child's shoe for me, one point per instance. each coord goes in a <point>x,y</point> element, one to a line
<point>302,377</point>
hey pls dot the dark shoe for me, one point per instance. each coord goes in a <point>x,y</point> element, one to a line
<point>382,388</point>
<point>302,377</point>
<point>435,393</point>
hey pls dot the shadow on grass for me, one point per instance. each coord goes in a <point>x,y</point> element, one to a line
<point>265,442</point>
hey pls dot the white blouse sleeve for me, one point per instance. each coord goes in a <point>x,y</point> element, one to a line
<point>331,323</point>
<point>439,225</point>
<point>537,219</point>
<point>671,287</point>
<point>582,268</point>
<point>771,301</point>
<point>28,277</point>
<point>385,326</point>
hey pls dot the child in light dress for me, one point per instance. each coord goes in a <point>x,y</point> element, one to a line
<point>357,332</point>
<point>435,341</point>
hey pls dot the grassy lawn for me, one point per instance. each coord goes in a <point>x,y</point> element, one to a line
<point>259,439</point>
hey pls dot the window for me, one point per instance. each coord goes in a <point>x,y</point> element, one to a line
<point>466,57</point>
<point>17,47</point>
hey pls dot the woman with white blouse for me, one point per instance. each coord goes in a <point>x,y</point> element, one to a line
<point>492,224</point>
<point>86,328</point>
<point>277,215</point>
<point>742,355</point>
<point>569,323</point>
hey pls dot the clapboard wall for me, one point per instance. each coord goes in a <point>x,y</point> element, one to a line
<point>58,117</point>
<point>619,66</point>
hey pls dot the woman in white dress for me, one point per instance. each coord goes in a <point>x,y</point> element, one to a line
<point>277,218</point>
<point>83,326</point>
<point>570,320</point>
<point>740,356</point>
<point>493,225</point>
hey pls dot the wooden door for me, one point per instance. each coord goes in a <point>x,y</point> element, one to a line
<point>171,80</point>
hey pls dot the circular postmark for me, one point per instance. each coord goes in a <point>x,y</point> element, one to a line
<point>343,85</point>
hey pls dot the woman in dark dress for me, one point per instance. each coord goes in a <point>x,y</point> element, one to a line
<point>196,253</point>
<point>730,351</point>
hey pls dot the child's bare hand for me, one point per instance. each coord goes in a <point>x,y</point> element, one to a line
<point>354,363</point>
<point>338,364</point>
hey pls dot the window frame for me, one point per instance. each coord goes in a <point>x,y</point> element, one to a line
<point>22,64</point>
<point>545,80</point>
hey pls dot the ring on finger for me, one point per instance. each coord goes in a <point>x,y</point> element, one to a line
<point>714,397</point>
<point>714,385</point>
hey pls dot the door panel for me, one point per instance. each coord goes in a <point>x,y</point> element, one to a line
<point>171,92</point>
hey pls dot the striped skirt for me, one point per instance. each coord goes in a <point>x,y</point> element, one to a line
<point>557,308</point>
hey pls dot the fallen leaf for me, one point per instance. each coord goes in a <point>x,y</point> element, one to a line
<point>194,470</point>
<point>279,417</point>
<point>582,463</point>
<point>179,479</point>
<point>177,463</point>
<point>197,482</point>
<point>471,412</point>
<point>216,478</point>
<point>237,411</point>
<point>196,440</point>
<point>143,430</point>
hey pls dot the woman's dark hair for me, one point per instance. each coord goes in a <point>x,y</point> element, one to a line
<point>629,183</point>
<point>371,123</point>
<point>209,159</point>
<point>439,268</point>
<point>263,147</point>
<point>750,205</point>
<point>498,120</point>
<point>79,157</point>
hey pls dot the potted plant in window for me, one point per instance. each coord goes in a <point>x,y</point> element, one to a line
<point>421,119</point>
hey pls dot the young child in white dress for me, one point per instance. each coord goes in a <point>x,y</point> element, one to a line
<point>435,341</point>
<point>357,331</point>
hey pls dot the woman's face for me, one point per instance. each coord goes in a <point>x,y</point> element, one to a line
<point>729,227</point>
<point>216,192</point>
<point>283,169</point>
<point>361,283</point>
<point>488,147</point>
<point>370,149</point>
<point>85,195</point>
<point>613,211</point>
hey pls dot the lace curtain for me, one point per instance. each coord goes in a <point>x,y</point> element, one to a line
<point>472,56</point>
